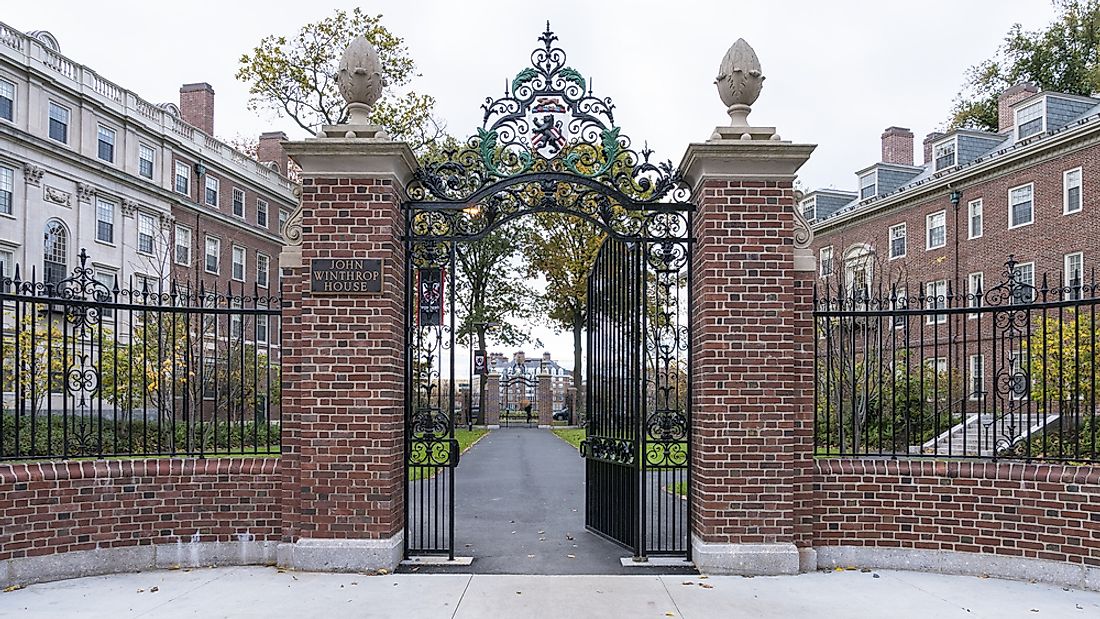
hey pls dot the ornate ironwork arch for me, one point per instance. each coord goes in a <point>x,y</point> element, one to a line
<point>547,145</point>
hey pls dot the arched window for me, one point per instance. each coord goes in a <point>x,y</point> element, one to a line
<point>55,252</point>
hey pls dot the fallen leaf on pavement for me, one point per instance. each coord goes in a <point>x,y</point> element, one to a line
<point>687,583</point>
<point>12,588</point>
<point>154,589</point>
<point>572,556</point>
<point>706,586</point>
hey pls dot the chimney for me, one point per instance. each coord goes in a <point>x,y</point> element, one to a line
<point>520,358</point>
<point>1008,98</point>
<point>197,106</point>
<point>545,356</point>
<point>270,149</point>
<point>928,139</point>
<point>897,146</point>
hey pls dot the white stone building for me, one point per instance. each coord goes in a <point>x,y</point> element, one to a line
<point>85,163</point>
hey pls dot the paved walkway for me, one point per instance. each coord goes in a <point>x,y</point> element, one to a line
<point>519,509</point>
<point>263,593</point>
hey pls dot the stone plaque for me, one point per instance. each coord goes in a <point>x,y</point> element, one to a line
<point>345,275</point>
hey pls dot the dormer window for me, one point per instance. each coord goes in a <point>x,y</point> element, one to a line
<point>1029,120</point>
<point>809,209</point>
<point>944,154</point>
<point>868,185</point>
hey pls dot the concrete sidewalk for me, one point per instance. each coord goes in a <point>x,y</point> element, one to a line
<point>267,592</point>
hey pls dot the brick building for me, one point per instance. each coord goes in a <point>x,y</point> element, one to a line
<point>939,235</point>
<point>1027,191</point>
<point>519,365</point>
<point>146,189</point>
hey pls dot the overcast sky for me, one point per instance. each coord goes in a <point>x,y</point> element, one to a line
<point>838,72</point>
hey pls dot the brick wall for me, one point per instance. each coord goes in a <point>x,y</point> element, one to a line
<point>344,370</point>
<point>48,508</point>
<point>750,406</point>
<point>1034,511</point>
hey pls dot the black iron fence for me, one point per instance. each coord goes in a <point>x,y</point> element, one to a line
<point>94,367</point>
<point>1006,370</point>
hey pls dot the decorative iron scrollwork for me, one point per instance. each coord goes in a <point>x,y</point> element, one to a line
<point>614,450</point>
<point>548,145</point>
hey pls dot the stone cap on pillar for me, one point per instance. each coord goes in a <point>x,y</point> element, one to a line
<point>739,150</point>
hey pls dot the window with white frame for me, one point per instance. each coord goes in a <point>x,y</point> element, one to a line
<point>238,263</point>
<point>976,377</point>
<point>147,226</point>
<point>1073,273</point>
<point>1018,374</point>
<point>809,209</point>
<point>261,325</point>
<point>235,320</point>
<point>944,155</point>
<point>105,291</point>
<point>898,241</point>
<point>975,290</point>
<point>858,272</point>
<point>104,220</point>
<point>975,226</point>
<point>183,178</point>
<point>1029,120</point>
<point>826,258</point>
<point>261,213</point>
<point>7,100</point>
<point>183,245</point>
<point>105,140</point>
<point>213,254</point>
<point>7,189</point>
<point>146,158</point>
<point>900,301</point>
<point>263,270</point>
<point>55,252</point>
<point>868,185</point>
<point>7,262</point>
<point>59,123</point>
<point>212,185</point>
<point>937,364</point>
<point>1071,191</point>
<point>936,299</point>
<point>238,202</point>
<point>1024,286</point>
<point>283,217</point>
<point>936,226</point>
<point>1021,205</point>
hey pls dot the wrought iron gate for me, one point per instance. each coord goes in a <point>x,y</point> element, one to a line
<point>519,406</point>
<point>548,146</point>
<point>637,447</point>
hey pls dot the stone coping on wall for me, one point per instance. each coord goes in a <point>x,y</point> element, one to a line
<point>981,469</point>
<point>16,472</point>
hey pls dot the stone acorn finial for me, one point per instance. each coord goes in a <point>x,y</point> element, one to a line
<point>739,82</point>
<point>360,80</point>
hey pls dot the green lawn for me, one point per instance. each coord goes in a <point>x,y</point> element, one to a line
<point>466,439</point>
<point>573,436</point>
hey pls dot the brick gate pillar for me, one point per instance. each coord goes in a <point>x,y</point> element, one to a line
<point>752,351</point>
<point>545,397</point>
<point>492,401</point>
<point>344,354</point>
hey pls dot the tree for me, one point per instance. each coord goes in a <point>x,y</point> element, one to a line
<point>295,76</point>
<point>1062,351</point>
<point>33,360</point>
<point>562,249</point>
<point>1064,57</point>
<point>491,294</point>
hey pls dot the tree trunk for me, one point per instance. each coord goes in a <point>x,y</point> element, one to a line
<point>578,395</point>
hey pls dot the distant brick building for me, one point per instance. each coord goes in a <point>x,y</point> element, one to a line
<point>519,364</point>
